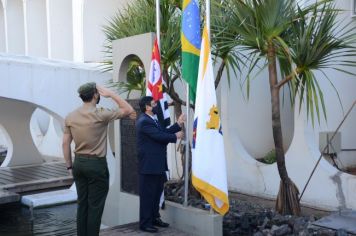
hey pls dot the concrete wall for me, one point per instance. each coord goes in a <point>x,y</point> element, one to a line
<point>96,15</point>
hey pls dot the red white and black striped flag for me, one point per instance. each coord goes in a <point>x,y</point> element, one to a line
<point>155,87</point>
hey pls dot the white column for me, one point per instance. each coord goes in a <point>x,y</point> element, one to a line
<point>36,28</point>
<point>15,29</point>
<point>48,24</point>
<point>77,11</point>
<point>24,9</point>
<point>4,4</point>
<point>61,29</point>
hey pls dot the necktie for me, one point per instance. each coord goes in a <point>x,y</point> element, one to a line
<point>156,121</point>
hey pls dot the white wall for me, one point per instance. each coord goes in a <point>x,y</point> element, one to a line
<point>37,28</point>
<point>345,84</point>
<point>329,188</point>
<point>96,14</point>
<point>252,117</point>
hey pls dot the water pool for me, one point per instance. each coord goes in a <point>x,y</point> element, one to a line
<point>15,220</point>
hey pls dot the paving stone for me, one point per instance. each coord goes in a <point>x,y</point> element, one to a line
<point>133,230</point>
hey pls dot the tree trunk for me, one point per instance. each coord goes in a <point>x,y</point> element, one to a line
<point>219,74</point>
<point>287,198</point>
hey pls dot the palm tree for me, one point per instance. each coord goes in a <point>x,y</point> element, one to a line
<point>301,40</point>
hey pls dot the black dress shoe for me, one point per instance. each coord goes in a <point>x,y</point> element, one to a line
<point>158,222</point>
<point>149,229</point>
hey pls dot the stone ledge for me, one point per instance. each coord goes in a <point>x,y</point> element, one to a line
<point>192,220</point>
<point>8,197</point>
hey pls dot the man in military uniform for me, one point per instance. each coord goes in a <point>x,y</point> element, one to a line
<point>87,126</point>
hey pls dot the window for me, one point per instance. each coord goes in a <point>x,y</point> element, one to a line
<point>353,9</point>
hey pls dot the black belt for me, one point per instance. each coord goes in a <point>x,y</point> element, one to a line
<point>87,156</point>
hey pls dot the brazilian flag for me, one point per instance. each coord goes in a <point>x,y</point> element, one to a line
<point>191,40</point>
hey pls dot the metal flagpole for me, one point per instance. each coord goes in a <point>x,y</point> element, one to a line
<point>207,11</point>
<point>186,169</point>
<point>158,26</point>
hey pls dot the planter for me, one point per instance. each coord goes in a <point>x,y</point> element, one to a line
<point>192,220</point>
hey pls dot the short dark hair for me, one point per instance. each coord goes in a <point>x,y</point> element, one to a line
<point>87,97</point>
<point>145,101</point>
<point>86,91</point>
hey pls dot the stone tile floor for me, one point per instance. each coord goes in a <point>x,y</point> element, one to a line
<point>133,229</point>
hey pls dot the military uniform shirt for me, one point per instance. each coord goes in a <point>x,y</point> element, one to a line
<point>88,127</point>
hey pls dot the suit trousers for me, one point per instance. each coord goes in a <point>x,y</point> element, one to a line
<point>151,187</point>
<point>91,177</point>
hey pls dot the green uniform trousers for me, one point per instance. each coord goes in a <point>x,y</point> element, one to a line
<point>91,177</point>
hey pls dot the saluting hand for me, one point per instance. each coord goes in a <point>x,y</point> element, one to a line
<point>105,92</point>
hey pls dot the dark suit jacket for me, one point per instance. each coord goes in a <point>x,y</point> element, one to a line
<point>152,140</point>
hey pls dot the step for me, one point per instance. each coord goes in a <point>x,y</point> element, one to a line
<point>49,198</point>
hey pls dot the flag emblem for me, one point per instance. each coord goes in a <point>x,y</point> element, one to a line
<point>214,122</point>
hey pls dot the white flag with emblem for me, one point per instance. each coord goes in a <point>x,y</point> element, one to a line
<point>208,160</point>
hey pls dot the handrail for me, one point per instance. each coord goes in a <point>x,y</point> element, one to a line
<point>325,148</point>
<point>348,149</point>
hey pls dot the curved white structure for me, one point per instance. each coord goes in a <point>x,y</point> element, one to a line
<point>29,83</point>
<point>329,188</point>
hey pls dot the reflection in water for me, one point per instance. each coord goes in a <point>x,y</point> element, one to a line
<point>15,220</point>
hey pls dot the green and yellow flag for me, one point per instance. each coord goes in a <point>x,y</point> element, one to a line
<point>191,40</point>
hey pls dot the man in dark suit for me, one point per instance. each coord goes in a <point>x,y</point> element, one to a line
<point>152,141</point>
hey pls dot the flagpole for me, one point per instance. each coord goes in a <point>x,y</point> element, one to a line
<point>207,10</point>
<point>186,169</point>
<point>158,26</point>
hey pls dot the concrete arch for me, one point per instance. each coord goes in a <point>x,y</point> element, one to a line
<point>6,141</point>
<point>123,53</point>
<point>17,124</point>
<point>29,83</point>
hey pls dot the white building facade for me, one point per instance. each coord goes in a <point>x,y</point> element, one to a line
<point>56,29</point>
<point>72,30</point>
